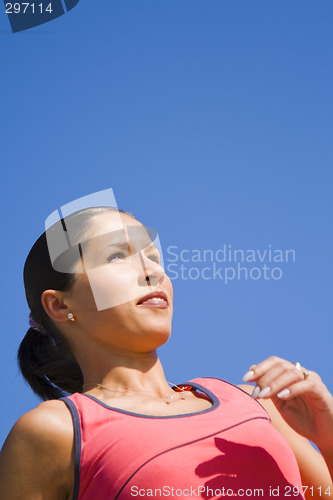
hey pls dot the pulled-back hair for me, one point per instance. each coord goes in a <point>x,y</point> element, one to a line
<point>44,357</point>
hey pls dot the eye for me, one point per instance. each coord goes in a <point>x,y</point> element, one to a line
<point>116,256</point>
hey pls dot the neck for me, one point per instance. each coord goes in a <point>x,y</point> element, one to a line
<point>134,371</point>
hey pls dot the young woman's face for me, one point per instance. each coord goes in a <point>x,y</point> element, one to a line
<point>122,266</point>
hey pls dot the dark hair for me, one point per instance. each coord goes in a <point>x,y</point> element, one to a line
<point>45,359</point>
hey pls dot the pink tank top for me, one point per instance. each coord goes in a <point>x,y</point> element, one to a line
<point>229,449</point>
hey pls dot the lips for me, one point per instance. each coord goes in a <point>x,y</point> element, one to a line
<point>146,300</point>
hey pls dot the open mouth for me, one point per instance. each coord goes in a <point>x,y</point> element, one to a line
<point>154,299</point>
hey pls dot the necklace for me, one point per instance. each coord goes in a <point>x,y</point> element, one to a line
<point>168,398</point>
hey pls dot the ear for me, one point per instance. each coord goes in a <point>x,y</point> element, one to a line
<point>54,305</point>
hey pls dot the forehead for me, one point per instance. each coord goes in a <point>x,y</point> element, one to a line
<point>109,222</point>
<point>116,228</point>
<point>102,231</point>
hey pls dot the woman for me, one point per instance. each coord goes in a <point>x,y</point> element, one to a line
<point>99,311</point>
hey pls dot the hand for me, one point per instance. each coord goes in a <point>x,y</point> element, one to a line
<point>300,396</point>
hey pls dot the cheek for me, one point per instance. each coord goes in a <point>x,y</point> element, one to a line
<point>112,286</point>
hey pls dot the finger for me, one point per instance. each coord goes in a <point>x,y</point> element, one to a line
<point>277,379</point>
<point>312,388</point>
<point>280,372</point>
<point>257,371</point>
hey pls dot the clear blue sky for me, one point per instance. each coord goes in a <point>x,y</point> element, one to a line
<point>212,122</point>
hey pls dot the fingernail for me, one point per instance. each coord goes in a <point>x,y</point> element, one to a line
<point>264,392</point>
<point>255,392</point>
<point>248,375</point>
<point>284,393</point>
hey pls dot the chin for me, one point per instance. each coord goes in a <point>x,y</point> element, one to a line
<point>154,338</point>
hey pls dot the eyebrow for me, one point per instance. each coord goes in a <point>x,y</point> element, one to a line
<point>118,244</point>
<point>100,249</point>
<point>125,245</point>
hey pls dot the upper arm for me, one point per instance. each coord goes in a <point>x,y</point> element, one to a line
<point>36,461</point>
<point>312,466</point>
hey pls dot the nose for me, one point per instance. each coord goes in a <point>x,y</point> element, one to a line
<point>152,273</point>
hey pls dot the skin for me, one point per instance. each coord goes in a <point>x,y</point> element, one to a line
<point>116,347</point>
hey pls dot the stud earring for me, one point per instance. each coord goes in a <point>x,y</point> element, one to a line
<point>70,316</point>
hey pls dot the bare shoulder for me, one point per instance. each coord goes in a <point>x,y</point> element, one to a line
<point>47,428</point>
<point>247,388</point>
<point>46,420</point>
<point>38,453</point>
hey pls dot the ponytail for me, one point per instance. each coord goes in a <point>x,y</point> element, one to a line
<point>48,365</point>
